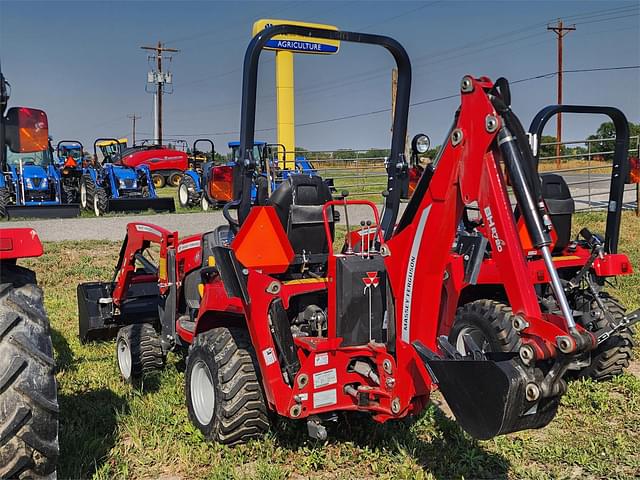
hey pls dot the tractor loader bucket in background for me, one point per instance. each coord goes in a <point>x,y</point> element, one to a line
<point>97,319</point>
<point>488,396</point>
<point>160,204</point>
<point>69,210</point>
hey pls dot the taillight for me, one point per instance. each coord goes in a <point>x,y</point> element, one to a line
<point>221,186</point>
<point>634,170</point>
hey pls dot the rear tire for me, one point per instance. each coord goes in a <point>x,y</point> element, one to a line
<point>100,201</point>
<point>610,358</point>
<point>224,395</point>
<point>138,351</point>
<point>5,199</point>
<point>28,402</point>
<point>187,194</point>
<point>158,180</point>
<point>174,179</point>
<point>489,324</point>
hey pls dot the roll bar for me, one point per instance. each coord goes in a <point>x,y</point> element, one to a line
<point>620,169</point>
<point>205,140</point>
<point>397,164</point>
<point>106,139</point>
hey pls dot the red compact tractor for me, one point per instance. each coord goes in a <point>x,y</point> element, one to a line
<point>274,317</point>
<point>28,393</point>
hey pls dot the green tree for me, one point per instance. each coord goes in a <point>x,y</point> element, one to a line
<point>605,131</point>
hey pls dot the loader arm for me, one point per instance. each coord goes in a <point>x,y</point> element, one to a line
<point>139,237</point>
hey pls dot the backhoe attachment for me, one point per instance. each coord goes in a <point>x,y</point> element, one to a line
<point>489,394</point>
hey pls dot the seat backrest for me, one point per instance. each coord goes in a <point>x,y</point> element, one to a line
<point>560,205</point>
<point>299,201</point>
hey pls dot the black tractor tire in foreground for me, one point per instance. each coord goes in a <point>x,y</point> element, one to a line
<point>187,194</point>
<point>224,396</point>
<point>489,323</point>
<point>5,200</point>
<point>100,201</point>
<point>611,357</point>
<point>28,399</point>
<point>138,351</point>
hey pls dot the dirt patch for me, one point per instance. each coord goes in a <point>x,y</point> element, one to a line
<point>634,368</point>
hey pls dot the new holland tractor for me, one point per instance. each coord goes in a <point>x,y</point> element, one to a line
<point>111,186</point>
<point>216,185</point>
<point>276,318</point>
<point>32,186</point>
<point>28,392</point>
<point>71,159</point>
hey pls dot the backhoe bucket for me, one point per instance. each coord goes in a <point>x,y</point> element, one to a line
<point>160,204</point>
<point>488,397</point>
<point>68,210</point>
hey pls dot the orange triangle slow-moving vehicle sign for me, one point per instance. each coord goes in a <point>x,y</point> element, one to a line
<point>262,242</point>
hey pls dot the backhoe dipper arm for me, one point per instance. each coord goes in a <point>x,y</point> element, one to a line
<point>139,237</point>
<point>397,164</point>
<point>467,173</point>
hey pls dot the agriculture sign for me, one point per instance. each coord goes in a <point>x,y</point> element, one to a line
<point>296,43</point>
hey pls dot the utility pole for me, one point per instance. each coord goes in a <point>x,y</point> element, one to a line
<point>159,78</point>
<point>560,30</point>
<point>133,118</point>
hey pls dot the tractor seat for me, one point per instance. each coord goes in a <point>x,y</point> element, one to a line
<point>560,205</point>
<point>298,202</point>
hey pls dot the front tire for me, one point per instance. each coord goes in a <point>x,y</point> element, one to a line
<point>138,351</point>
<point>204,203</point>
<point>87,189</point>
<point>224,395</point>
<point>5,200</point>
<point>28,402</point>
<point>100,201</point>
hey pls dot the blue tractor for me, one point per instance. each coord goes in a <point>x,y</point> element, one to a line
<point>31,187</point>
<point>69,159</point>
<point>110,186</point>
<point>215,185</point>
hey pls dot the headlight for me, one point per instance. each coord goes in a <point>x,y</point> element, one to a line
<point>28,183</point>
<point>45,183</point>
<point>420,143</point>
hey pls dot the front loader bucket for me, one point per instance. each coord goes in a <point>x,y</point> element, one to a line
<point>95,312</point>
<point>68,210</point>
<point>159,204</point>
<point>488,397</point>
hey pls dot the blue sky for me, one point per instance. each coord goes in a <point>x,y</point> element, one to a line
<point>81,62</point>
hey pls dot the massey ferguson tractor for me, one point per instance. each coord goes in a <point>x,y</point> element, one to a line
<point>28,392</point>
<point>276,318</point>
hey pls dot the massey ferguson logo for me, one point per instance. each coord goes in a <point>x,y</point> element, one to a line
<point>494,231</point>
<point>371,280</point>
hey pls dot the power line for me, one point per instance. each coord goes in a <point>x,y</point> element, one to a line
<point>415,104</point>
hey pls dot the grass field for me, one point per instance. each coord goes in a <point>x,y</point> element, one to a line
<point>109,429</point>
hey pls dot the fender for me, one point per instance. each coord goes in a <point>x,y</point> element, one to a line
<point>19,243</point>
<point>3,182</point>
<point>92,174</point>
<point>196,179</point>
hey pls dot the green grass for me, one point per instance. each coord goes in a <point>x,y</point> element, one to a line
<point>111,430</point>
